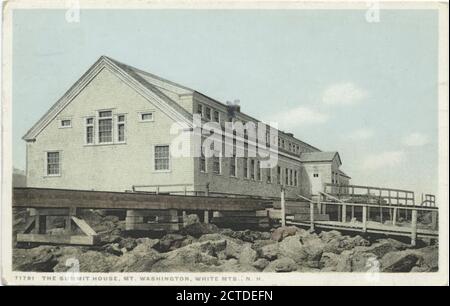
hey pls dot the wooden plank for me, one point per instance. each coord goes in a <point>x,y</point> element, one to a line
<point>62,198</point>
<point>153,227</point>
<point>57,239</point>
<point>84,227</point>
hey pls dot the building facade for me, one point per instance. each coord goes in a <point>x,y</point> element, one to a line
<point>111,131</point>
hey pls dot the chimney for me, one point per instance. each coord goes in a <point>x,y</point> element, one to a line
<point>232,109</point>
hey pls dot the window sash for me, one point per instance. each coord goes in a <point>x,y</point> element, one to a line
<point>216,164</point>
<point>162,158</point>
<point>53,163</point>
<point>105,130</point>
<point>233,166</point>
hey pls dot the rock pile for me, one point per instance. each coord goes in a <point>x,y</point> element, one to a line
<point>204,247</point>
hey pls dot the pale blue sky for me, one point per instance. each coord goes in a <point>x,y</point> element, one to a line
<point>367,90</point>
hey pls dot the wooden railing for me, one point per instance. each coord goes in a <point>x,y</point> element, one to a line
<point>369,194</point>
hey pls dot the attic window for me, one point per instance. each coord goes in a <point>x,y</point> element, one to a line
<point>66,123</point>
<point>146,116</point>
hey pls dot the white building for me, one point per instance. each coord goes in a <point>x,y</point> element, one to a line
<point>111,131</point>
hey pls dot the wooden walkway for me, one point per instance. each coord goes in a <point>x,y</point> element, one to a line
<point>145,211</point>
<point>390,202</point>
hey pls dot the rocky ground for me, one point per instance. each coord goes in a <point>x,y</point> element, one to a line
<point>204,247</point>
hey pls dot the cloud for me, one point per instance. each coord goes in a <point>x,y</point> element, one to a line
<point>415,140</point>
<point>346,93</point>
<point>383,160</point>
<point>298,116</point>
<point>360,134</point>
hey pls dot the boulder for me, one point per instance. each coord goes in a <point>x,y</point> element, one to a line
<point>291,247</point>
<point>136,261</point>
<point>191,219</point>
<point>247,255</point>
<point>283,264</point>
<point>128,243</point>
<point>261,264</point>
<point>269,251</point>
<point>39,259</point>
<point>191,258</point>
<point>282,232</point>
<point>114,249</point>
<point>169,242</point>
<point>146,242</point>
<point>399,261</point>
<point>198,229</point>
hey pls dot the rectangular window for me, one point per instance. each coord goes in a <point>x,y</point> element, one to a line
<point>66,123</point>
<point>252,169</point>
<point>216,164</point>
<point>316,175</point>
<point>295,178</point>
<point>200,110</point>
<point>162,158</point>
<point>202,161</point>
<point>278,175</point>
<point>287,177</point>
<point>258,170</point>
<point>146,117</point>
<point>207,113</point>
<point>121,128</point>
<point>105,128</point>
<point>89,130</point>
<point>53,163</point>
<point>269,175</point>
<point>291,178</point>
<point>233,165</point>
<point>245,161</point>
<point>216,116</point>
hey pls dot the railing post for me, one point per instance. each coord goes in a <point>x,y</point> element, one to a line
<point>364,218</point>
<point>413,227</point>
<point>394,216</point>
<point>283,207</point>
<point>311,215</point>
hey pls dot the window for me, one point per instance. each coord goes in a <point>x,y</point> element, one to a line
<point>252,169</point>
<point>121,128</point>
<point>66,123</point>
<point>269,175</point>
<point>202,161</point>
<point>245,160</point>
<point>162,158</point>
<point>279,175</point>
<point>258,170</point>
<point>53,163</point>
<point>291,178</point>
<point>208,113</point>
<point>200,109</point>
<point>290,147</point>
<point>216,116</point>
<point>89,130</point>
<point>105,127</point>
<point>146,117</point>
<point>216,164</point>
<point>287,176</point>
<point>295,178</point>
<point>316,175</point>
<point>233,165</point>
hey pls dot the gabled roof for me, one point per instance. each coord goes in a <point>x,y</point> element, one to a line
<point>342,173</point>
<point>135,78</point>
<point>312,157</point>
